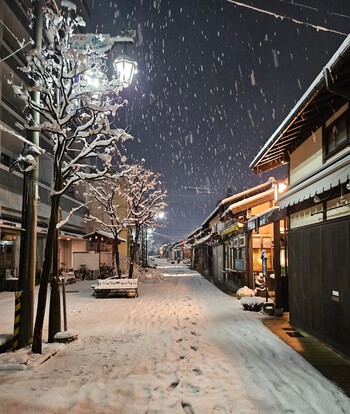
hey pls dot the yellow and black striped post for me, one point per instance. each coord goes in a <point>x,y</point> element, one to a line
<point>18,300</point>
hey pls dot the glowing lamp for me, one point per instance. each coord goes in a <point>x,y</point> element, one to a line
<point>125,68</point>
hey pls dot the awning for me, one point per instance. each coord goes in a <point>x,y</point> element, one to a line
<point>266,217</point>
<point>325,179</point>
<point>231,229</point>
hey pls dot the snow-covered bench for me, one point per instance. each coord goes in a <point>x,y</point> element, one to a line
<point>116,287</point>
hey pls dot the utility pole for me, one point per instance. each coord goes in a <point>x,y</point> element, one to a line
<point>30,208</point>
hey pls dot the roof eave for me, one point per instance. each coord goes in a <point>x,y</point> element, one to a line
<point>317,85</point>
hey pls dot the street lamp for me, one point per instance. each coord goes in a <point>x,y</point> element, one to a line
<point>126,68</point>
<point>123,64</point>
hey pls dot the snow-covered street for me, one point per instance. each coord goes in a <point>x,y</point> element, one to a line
<point>182,346</point>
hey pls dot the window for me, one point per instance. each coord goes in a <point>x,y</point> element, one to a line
<point>336,136</point>
<point>239,253</point>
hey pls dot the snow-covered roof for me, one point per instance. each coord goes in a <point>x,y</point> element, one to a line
<point>102,233</point>
<point>197,230</point>
<point>203,239</point>
<point>308,108</point>
<point>251,202</point>
<point>250,192</point>
<point>240,196</point>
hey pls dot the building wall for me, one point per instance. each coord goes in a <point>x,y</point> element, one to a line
<point>14,14</point>
<point>307,157</point>
<point>306,217</point>
<point>67,247</point>
<point>218,262</point>
<point>319,246</point>
<point>319,284</point>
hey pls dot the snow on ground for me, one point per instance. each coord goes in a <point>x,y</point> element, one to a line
<point>182,346</point>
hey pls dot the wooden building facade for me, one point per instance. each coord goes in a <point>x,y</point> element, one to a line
<point>314,140</point>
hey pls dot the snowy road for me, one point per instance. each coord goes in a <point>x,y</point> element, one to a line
<point>183,346</point>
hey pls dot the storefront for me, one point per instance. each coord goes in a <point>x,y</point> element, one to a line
<point>10,240</point>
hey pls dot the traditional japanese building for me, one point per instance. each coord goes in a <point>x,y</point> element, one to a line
<point>229,245</point>
<point>314,140</point>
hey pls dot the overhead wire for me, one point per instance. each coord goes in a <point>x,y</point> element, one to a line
<point>279,16</point>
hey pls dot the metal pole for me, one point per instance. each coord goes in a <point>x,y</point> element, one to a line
<point>28,265</point>
<point>277,266</point>
<point>264,271</point>
<point>64,303</point>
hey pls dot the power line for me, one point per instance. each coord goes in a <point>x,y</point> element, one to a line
<point>279,16</point>
<point>292,3</point>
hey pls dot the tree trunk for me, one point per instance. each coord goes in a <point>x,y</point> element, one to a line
<point>117,258</point>
<point>55,300</point>
<point>55,308</point>
<point>133,252</point>
<point>45,276</point>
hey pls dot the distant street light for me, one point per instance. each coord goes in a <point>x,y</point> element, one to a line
<point>161,215</point>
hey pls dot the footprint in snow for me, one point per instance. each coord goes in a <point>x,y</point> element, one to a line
<point>197,371</point>
<point>187,408</point>
<point>172,386</point>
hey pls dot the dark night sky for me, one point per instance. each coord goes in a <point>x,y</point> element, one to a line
<point>215,80</point>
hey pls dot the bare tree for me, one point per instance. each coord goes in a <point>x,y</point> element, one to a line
<point>111,215</point>
<point>145,198</point>
<point>76,117</point>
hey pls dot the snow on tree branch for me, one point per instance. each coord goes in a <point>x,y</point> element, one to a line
<point>66,220</point>
<point>108,197</point>
<point>145,197</point>
<point>75,113</point>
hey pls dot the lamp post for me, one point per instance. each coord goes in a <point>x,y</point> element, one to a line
<point>30,207</point>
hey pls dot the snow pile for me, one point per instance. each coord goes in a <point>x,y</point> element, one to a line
<point>253,303</point>
<point>24,358</point>
<point>66,336</point>
<point>148,274</point>
<point>4,338</point>
<point>244,291</point>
